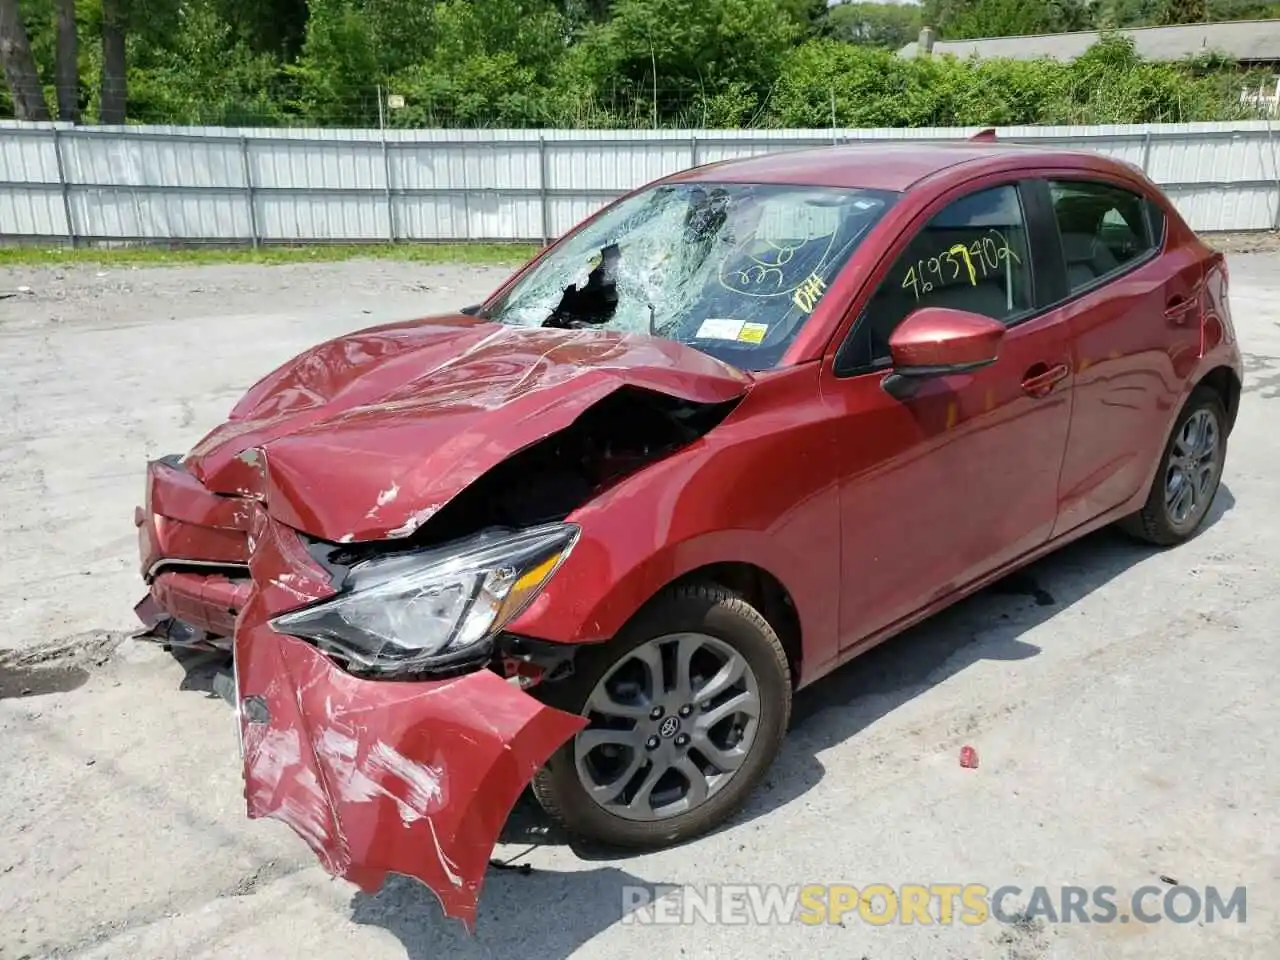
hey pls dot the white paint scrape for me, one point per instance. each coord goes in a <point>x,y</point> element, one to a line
<point>414,787</point>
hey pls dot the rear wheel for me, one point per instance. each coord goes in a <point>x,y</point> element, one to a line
<point>688,707</point>
<point>1190,473</point>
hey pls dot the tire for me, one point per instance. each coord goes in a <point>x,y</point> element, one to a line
<point>1157,523</point>
<point>712,622</point>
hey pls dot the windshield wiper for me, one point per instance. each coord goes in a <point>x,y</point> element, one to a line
<point>653,323</point>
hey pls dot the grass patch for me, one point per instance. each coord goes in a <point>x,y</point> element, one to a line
<point>481,254</point>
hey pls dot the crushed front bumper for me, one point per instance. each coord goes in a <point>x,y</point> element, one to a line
<point>415,778</point>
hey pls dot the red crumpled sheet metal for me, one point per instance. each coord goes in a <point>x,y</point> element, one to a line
<point>415,778</point>
<point>416,412</point>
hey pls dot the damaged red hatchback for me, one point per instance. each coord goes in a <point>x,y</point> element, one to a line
<point>725,435</point>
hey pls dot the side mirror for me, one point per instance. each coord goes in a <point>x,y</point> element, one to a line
<point>937,342</point>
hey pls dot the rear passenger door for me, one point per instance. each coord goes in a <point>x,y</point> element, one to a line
<point>1133,312</point>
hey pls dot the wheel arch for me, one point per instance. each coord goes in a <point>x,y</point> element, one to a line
<point>762,590</point>
<point>1224,381</point>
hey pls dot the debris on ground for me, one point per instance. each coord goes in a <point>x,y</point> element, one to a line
<point>522,868</point>
<point>57,666</point>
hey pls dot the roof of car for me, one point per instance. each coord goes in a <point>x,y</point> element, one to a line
<point>869,165</point>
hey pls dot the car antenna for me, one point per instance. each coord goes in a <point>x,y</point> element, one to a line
<point>985,136</point>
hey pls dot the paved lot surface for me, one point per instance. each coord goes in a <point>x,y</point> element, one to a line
<point>1126,729</point>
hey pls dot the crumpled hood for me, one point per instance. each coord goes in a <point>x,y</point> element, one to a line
<point>366,436</point>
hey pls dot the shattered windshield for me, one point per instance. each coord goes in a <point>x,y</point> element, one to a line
<point>731,269</point>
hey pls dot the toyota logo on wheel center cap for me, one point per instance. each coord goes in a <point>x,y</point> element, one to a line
<point>669,727</point>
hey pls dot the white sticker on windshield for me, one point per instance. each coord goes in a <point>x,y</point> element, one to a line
<point>719,328</point>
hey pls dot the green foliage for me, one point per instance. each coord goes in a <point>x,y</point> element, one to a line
<point>637,55</point>
<point>339,58</point>
<point>634,63</point>
<point>891,25</point>
<point>207,76</point>
<point>969,19</point>
<point>827,82</point>
<point>489,64</point>
<point>1184,11</point>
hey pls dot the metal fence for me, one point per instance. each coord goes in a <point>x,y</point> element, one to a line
<point>83,185</point>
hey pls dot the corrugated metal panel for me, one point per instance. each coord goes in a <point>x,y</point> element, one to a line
<point>118,212</point>
<point>287,217</point>
<point>32,210</point>
<point>299,185</point>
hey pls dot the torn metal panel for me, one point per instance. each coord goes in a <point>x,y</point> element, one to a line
<point>414,778</point>
<point>411,778</point>
<point>181,520</point>
<point>415,413</point>
<point>206,602</point>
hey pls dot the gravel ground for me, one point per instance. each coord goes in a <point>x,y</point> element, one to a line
<point>1121,700</point>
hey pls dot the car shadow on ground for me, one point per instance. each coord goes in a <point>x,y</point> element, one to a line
<point>207,672</point>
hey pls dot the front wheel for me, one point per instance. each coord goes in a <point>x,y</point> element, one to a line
<point>1189,475</point>
<point>688,707</point>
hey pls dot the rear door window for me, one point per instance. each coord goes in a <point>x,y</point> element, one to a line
<point>1105,229</point>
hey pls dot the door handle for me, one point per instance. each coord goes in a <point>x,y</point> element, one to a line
<point>1040,380</point>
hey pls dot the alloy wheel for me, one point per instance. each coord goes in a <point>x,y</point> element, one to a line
<point>671,723</point>
<point>1191,474</point>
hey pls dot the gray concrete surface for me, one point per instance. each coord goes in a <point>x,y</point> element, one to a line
<point>1126,730</point>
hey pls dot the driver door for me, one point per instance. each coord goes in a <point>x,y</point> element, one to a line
<point>946,486</point>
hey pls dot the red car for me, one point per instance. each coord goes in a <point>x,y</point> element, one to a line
<point>727,434</point>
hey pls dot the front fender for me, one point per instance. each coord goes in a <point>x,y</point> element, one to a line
<point>613,582</point>
<point>683,514</point>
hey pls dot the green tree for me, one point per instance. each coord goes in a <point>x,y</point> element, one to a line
<point>861,86</point>
<point>971,19</point>
<point>205,73</point>
<point>890,25</point>
<point>113,95</point>
<point>337,73</point>
<point>19,65</point>
<point>268,26</point>
<point>595,63</point>
<point>1184,11</point>
<point>492,62</point>
<point>668,56</point>
<point>67,61</point>
<point>811,17</point>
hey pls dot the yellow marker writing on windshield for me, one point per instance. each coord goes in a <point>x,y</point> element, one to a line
<point>960,250</point>
<point>807,294</point>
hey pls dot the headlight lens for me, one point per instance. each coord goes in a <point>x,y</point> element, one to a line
<point>411,611</point>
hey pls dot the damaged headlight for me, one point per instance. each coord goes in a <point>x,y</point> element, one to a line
<point>412,611</point>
